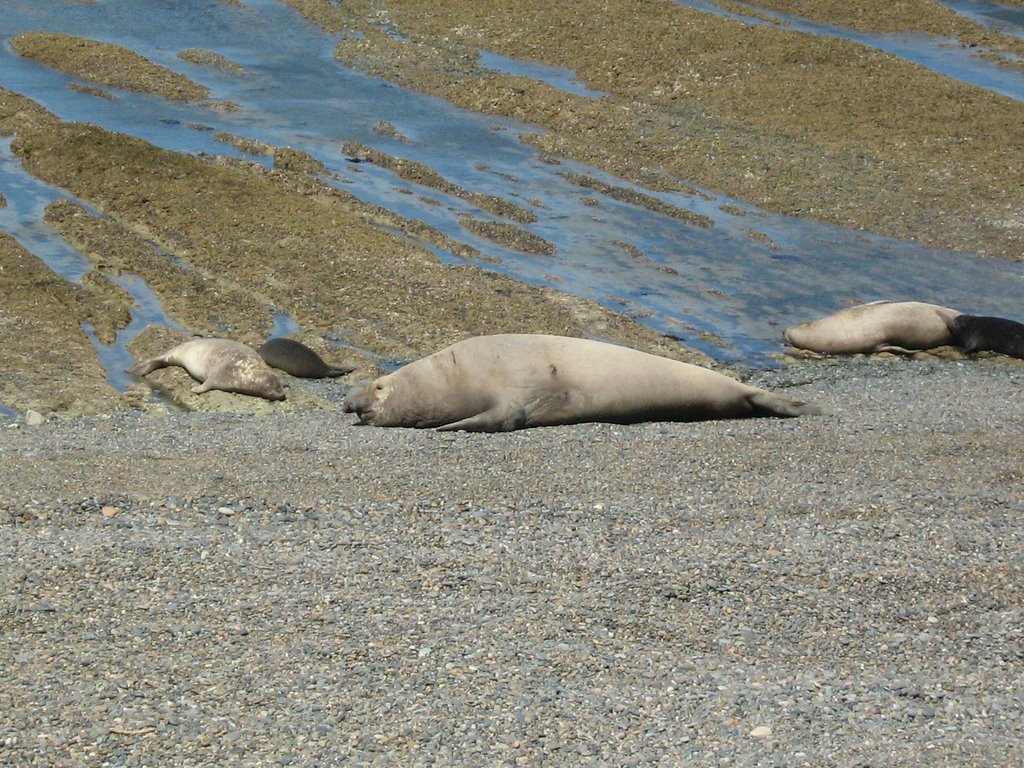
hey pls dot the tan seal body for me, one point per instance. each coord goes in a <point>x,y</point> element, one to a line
<point>218,364</point>
<point>511,381</point>
<point>881,326</point>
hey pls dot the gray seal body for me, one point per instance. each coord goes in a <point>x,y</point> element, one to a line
<point>297,359</point>
<point>977,333</point>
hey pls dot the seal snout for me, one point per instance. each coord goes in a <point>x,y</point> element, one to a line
<point>365,415</point>
<point>360,403</point>
<point>795,334</point>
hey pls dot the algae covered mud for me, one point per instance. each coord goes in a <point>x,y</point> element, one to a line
<point>384,179</point>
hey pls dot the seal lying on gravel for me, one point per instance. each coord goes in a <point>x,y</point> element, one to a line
<point>512,381</point>
<point>296,358</point>
<point>975,333</point>
<point>218,364</point>
<point>881,326</point>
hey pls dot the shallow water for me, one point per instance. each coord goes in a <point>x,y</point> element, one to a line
<point>22,219</point>
<point>116,357</point>
<point>727,289</point>
<point>941,55</point>
<point>1003,18</point>
<point>559,77</point>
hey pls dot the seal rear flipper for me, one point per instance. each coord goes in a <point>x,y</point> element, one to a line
<point>146,366</point>
<point>769,404</point>
<point>893,348</point>
<point>333,373</point>
<point>499,418</point>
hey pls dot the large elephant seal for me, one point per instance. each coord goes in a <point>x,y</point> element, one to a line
<point>296,358</point>
<point>976,333</point>
<point>512,381</point>
<point>218,364</point>
<point>881,326</point>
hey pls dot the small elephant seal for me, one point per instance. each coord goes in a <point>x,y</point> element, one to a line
<point>296,358</point>
<point>881,326</point>
<point>975,333</point>
<point>218,364</point>
<point>513,381</point>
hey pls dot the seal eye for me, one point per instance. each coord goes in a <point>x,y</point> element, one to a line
<point>380,387</point>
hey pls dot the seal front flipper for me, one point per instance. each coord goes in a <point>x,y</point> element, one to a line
<point>498,418</point>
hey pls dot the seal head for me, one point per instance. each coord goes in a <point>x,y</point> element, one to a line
<point>977,333</point>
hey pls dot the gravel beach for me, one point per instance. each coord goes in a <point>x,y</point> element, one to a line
<point>211,589</point>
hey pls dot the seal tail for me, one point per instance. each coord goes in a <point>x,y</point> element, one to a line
<point>146,366</point>
<point>333,373</point>
<point>769,404</point>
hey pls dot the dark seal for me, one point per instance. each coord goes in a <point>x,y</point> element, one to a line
<point>975,333</point>
<point>296,358</point>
